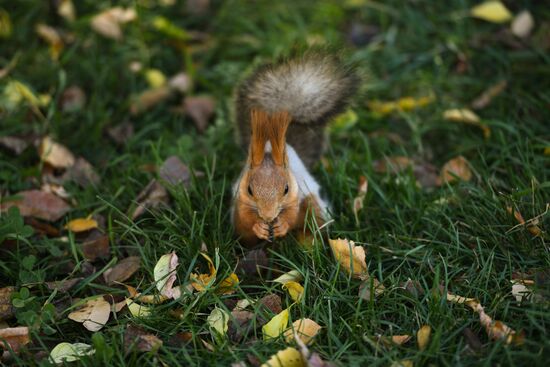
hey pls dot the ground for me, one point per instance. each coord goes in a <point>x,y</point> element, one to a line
<point>456,237</point>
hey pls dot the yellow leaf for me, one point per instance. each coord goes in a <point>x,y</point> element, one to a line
<point>155,78</point>
<point>403,363</point>
<point>93,315</point>
<point>201,281</point>
<point>350,257</point>
<point>66,10</point>
<point>67,352</point>
<point>165,274</point>
<point>55,154</point>
<point>81,224</point>
<point>16,93</point>
<point>546,150</point>
<point>5,24</point>
<point>344,121</point>
<point>218,320</point>
<point>468,117</point>
<point>276,325</point>
<point>402,104</point>
<point>295,290</point>
<point>289,357</point>
<point>227,286</point>
<point>305,328</point>
<point>491,11</point>
<point>291,276</point>
<point>423,337</point>
<point>137,310</point>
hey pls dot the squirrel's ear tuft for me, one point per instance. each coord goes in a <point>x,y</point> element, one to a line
<point>260,135</point>
<point>278,124</point>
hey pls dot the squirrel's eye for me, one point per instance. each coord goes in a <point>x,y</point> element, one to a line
<point>250,190</point>
<point>286,189</point>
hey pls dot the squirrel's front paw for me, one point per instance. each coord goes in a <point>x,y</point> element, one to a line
<point>280,227</point>
<point>261,230</point>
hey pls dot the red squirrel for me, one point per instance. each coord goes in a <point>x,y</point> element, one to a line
<point>281,112</point>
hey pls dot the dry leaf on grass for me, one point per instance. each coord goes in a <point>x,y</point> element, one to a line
<point>175,172</point>
<point>228,285</point>
<point>148,99</point>
<point>200,109</point>
<point>52,37</point>
<point>67,352</point>
<point>152,196</point>
<point>271,302</point>
<point>291,276</point>
<point>180,82</point>
<point>73,99</point>
<point>63,285</point>
<point>155,78</point>
<point>523,24</point>
<point>289,357</point>
<point>154,299</point>
<point>95,246</point>
<point>531,224</point>
<point>402,104</point>
<point>423,337</point>
<point>276,325</point>
<point>83,173</point>
<point>38,204</point>
<point>55,154</point>
<point>13,144</point>
<point>65,9</point>
<point>218,321</point>
<point>360,198</point>
<point>365,289</point>
<point>16,337</point>
<point>201,281</point>
<point>122,271</point>
<point>393,164</point>
<point>467,116</point>
<point>165,275</point>
<point>108,23</point>
<point>306,329</point>
<point>350,257</point>
<point>81,224</point>
<point>488,95</point>
<point>242,323</point>
<point>136,338</point>
<point>121,133</point>
<point>492,11</point>
<point>456,168</point>
<point>253,263</point>
<point>295,290</point>
<point>93,315</point>
<point>136,309</point>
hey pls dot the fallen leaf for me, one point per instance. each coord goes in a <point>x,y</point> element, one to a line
<point>108,23</point>
<point>83,173</point>
<point>403,363</point>
<point>121,133</point>
<point>38,204</point>
<point>491,11</point>
<point>67,352</point>
<point>456,168</point>
<point>154,299</point>
<point>13,144</point>
<point>200,109</point>
<point>175,172</point>
<point>63,285</point>
<point>365,289</point>
<point>201,281</point>
<point>472,340</point>
<point>65,8</point>
<point>344,121</point>
<point>423,337</point>
<point>289,357</point>
<point>218,321</point>
<point>81,224</point>
<point>350,257</point>
<point>400,339</point>
<point>152,196</point>
<point>467,116</point>
<point>531,225</point>
<point>95,246</point>
<point>73,99</point>
<point>136,309</point>
<point>241,324</point>
<point>16,93</point>
<point>55,154</point>
<point>180,82</point>
<point>360,198</point>
<point>52,37</point>
<point>402,104</point>
<point>165,274</point>
<point>155,78</point>
<point>5,24</point>
<point>271,302</point>
<point>122,271</point>
<point>488,95</point>
<point>295,290</point>
<point>228,285</point>
<point>276,325</point>
<point>6,308</point>
<point>311,359</point>
<point>93,315</point>
<point>393,164</point>
<point>136,338</point>
<point>16,337</point>
<point>291,276</point>
<point>253,263</point>
<point>306,329</point>
<point>148,99</point>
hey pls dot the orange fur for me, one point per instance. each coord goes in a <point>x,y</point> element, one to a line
<point>260,135</point>
<point>278,124</point>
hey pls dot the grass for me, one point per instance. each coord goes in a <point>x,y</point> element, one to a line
<point>458,237</point>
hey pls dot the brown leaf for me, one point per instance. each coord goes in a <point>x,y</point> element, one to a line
<point>16,337</point>
<point>123,270</point>
<point>93,315</point>
<point>271,302</point>
<point>472,340</point>
<point>175,172</point>
<point>55,154</point>
<point>63,285</point>
<point>83,173</point>
<point>306,329</point>
<point>365,289</point>
<point>96,245</point>
<point>413,287</point>
<point>136,338</point>
<point>42,228</point>
<point>152,196</point>
<point>73,99</point>
<point>458,167</point>
<point>13,144</point>
<point>121,133</point>
<point>38,204</point>
<point>240,325</point>
<point>148,99</point>
<point>6,309</point>
<point>350,257</point>
<point>487,96</point>
<point>531,224</point>
<point>426,175</point>
<point>423,337</point>
<point>200,109</point>
<point>394,164</point>
<point>253,264</point>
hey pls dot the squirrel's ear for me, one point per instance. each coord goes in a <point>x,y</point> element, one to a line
<point>260,122</point>
<point>278,125</point>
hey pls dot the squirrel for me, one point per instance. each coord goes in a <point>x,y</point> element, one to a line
<point>281,112</point>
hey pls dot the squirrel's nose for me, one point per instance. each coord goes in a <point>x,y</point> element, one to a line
<point>268,216</point>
